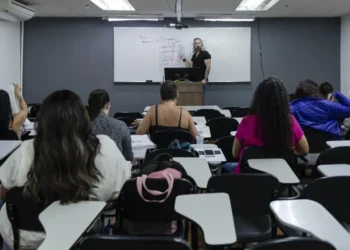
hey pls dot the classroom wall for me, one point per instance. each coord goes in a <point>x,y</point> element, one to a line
<point>77,53</point>
<point>345,55</point>
<point>10,46</point>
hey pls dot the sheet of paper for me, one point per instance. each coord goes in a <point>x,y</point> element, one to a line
<point>141,141</point>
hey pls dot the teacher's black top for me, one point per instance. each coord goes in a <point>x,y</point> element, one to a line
<point>198,61</point>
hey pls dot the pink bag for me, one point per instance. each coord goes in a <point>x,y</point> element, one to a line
<point>135,228</point>
<point>168,174</point>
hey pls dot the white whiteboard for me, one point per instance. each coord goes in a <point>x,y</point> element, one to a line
<point>141,54</point>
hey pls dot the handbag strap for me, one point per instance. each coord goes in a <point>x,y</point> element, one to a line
<point>141,184</point>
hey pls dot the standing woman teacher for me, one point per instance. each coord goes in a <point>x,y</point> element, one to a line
<point>200,59</point>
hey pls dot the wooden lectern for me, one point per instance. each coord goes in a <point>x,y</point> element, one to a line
<point>190,93</point>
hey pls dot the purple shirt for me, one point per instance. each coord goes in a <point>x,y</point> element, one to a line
<point>246,134</point>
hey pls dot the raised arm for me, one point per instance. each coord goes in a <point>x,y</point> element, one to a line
<point>342,99</point>
<point>338,111</point>
<point>21,116</point>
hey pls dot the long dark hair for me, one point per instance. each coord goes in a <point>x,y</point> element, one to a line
<point>97,100</point>
<point>64,151</point>
<point>270,105</point>
<point>6,117</point>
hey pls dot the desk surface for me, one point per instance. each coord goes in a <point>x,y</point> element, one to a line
<point>276,167</point>
<point>334,170</point>
<point>334,144</point>
<point>213,213</point>
<point>310,217</point>
<point>193,108</point>
<point>197,168</point>
<point>7,147</point>
<point>56,219</point>
<point>200,120</point>
<point>203,131</point>
<point>140,153</point>
<point>239,119</point>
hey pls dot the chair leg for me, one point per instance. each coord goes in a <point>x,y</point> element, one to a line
<point>187,224</point>
<point>194,239</point>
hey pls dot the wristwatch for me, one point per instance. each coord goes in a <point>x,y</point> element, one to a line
<point>184,60</point>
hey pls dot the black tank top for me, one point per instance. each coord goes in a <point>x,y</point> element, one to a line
<point>156,128</point>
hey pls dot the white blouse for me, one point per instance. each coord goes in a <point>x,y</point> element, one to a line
<point>115,170</point>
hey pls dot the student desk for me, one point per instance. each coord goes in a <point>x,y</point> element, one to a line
<point>199,120</point>
<point>276,167</point>
<point>213,213</point>
<point>312,218</point>
<point>197,168</point>
<point>334,144</point>
<point>239,119</point>
<point>334,170</point>
<point>65,224</point>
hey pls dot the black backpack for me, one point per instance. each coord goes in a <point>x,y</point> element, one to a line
<point>160,163</point>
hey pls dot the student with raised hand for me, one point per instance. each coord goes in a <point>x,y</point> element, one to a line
<point>65,162</point>
<point>7,120</point>
<point>102,124</point>
<point>270,122</point>
<point>167,114</point>
<point>314,110</point>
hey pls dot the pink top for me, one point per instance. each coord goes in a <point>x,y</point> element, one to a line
<point>246,134</point>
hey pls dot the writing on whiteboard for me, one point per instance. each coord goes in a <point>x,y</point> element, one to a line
<point>170,51</point>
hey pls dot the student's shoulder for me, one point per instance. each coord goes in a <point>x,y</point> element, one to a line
<point>206,53</point>
<point>106,142</point>
<point>249,118</point>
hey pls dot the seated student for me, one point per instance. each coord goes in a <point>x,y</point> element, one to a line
<point>270,122</point>
<point>7,120</point>
<point>102,124</point>
<point>312,110</point>
<point>65,162</point>
<point>167,114</point>
<point>326,90</point>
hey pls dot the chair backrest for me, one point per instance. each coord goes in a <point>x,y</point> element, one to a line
<point>174,152</point>
<point>133,243</point>
<point>134,115</point>
<point>226,144</point>
<point>317,140</point>
<point>266,153</point>
<point>332,193</point>
<point>250,194</point>
<point>134,208</point>
<point>208,113</point>
<point>240,112</point>
<point>221,127</point>
<point>231,109</point>
<point>33,110</point>
<point>164,137</point>
<point>8,135</point>
<point>23,213</point>
<point>294,243</point>
<point>338,155</point>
